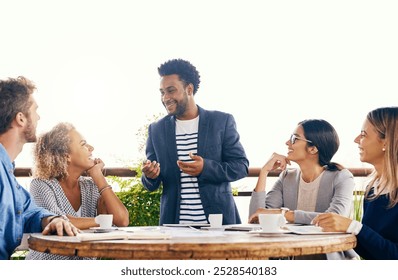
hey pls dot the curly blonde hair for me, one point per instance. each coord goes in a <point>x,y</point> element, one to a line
<point>51,152</point>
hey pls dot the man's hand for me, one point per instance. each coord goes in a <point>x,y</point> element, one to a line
<point>60,225</point>
<point>193,168</point>
<point>151,169</point>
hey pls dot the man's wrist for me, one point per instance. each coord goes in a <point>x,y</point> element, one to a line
<point>63,217</point>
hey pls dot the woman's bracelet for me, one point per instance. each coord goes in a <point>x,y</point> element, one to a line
<point>104,188</point>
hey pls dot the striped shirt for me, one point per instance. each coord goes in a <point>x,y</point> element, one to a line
<point>191,208</point>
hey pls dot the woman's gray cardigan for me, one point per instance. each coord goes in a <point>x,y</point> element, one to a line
<point>335,195</point>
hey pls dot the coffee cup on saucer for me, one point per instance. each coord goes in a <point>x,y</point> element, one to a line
<point>271,222</point>
<point>215,220</point>
<point>104,221</point>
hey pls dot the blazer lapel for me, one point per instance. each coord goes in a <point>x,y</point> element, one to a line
<point>171,144</point>
<point>203,132</point>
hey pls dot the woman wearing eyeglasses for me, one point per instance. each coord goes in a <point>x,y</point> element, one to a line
<point>377,233</point>
<point>318,186</point>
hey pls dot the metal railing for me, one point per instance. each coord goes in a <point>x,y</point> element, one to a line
<point>253,172</point>
<point>126,172</point>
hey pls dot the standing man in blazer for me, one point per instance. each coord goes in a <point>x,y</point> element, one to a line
<point>194,153</point>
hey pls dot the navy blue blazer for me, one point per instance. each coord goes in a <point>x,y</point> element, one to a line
<point>224,161</point>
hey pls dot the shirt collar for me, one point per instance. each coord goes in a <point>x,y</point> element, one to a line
<point>5,158</point>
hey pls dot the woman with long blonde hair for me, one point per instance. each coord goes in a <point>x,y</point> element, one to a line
<point>377,234</point>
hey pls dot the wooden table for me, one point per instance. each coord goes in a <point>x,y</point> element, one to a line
<point>236,245</point>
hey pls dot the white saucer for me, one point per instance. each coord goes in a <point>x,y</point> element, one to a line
<point>213,228</point>
<point>100,229</point>
<point>263,232</point>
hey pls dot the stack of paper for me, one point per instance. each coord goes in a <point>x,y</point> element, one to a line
<point>242,227</point>
<point>119,234</point>
<point>307,229</point>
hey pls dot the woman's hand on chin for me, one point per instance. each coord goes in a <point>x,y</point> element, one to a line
<point>96,168</point>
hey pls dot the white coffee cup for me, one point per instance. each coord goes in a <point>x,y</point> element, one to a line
<point>271,222</point>
<point>104,220</point>
<point>215,220</point>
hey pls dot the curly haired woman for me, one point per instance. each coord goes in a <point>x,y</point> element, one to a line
<point>61,157</point>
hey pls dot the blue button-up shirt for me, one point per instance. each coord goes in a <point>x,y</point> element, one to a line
<point>18,212</point>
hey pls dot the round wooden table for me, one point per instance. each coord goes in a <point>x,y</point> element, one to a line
<point>229,246</point>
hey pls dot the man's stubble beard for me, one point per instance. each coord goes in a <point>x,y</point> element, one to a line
<point>181,107</point>
<point>30,133</point>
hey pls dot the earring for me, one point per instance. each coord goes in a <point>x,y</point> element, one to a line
<point>384,149</point>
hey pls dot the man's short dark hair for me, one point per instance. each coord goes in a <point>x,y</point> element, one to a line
<point>14,98</point>
<point>184,69</point>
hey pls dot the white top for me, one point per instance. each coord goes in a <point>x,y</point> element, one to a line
<point>308,193</point>
<point>79,212</point>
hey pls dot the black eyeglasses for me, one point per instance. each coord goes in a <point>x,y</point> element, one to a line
<point>294,138</point>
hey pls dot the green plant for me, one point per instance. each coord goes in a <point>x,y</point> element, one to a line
<point>357,205</point>
<point>143,206</point>
<point>142,133</point>
<point>19,255</point>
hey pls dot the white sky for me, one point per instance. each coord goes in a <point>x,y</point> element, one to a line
<point>269,63</point>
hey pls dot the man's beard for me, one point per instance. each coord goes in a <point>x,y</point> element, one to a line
<point>180,110</point>
<point>181,107</point>
<point>30,133</point>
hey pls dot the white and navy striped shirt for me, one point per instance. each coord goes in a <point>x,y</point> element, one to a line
<point>191,208</point>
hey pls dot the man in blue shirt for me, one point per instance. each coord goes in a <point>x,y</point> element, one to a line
<point>19,214</point>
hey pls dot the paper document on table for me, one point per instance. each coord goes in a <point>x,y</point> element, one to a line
<point>242,227</point>
<point>308,229</point>
<point>117,235</point>
<point>196,225</point>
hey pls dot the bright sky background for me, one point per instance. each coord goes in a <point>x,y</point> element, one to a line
<point>269,63</point>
